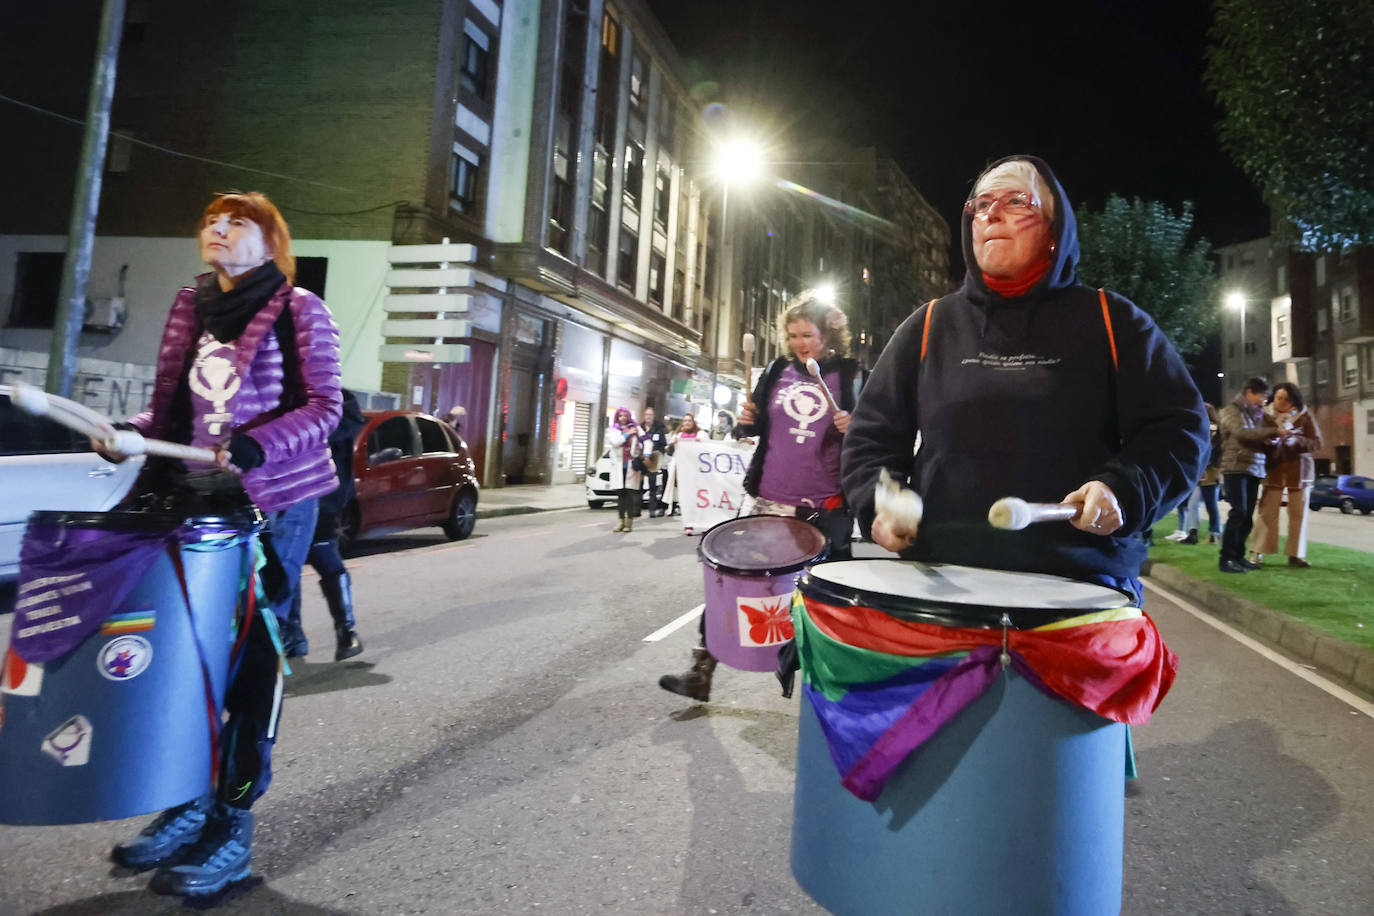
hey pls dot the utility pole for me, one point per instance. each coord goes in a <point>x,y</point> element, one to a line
<point>76,269</point>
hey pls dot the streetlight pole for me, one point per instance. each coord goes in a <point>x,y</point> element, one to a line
<point>1236,300</point>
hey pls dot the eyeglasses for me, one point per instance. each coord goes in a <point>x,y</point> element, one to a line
<point>1014,203</point>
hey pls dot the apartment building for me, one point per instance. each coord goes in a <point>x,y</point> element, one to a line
<point>1310,321</point>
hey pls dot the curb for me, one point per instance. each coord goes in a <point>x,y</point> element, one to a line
<point>1352,665</point>
<point>499,511</point>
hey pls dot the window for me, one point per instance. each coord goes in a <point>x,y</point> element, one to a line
<point>394,433</point>
<point>121,151</point>
<point>1369,363</point>
<point>432,438</point>
<point>1321,270</point>
<point>1323,371</point>
<point>473,68</point>
<point>1350,370</point>
<point>667,120</point>
<point>663,185</point>
<point>608,84</point>
<point>567,118</point>
<point>1323,325</point>
<point>311,274</point>
<point>464,165</point>
<point>639,81</point>
<point>634,174</point>
<point>1347,303</point>
<point>657,268</point>
<point>1281,279</point>
<point>629,254</point>
<point>37,284</point>
<point>1281,331</point>
<point>679,293</point>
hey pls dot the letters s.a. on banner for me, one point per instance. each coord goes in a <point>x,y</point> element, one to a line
<point>710,480</point>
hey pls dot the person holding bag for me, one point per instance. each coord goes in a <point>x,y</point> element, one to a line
<point>627,464</point>
<point>1291,473</point>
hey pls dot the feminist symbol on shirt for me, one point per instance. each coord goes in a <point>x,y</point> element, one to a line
<point>802,401</point>
<point>213,378</point>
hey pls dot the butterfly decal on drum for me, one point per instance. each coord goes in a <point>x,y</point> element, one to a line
<point>765,621</point>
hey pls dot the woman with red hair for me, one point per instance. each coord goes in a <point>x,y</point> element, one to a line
<point>248,367</point>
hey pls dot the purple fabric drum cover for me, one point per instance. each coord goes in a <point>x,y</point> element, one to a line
<point>751,566</point>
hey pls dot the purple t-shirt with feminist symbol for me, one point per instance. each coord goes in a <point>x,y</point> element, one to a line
<point>803,462</point>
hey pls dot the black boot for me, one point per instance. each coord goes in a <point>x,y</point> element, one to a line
<point>338,594</point>
<point>1191,538</point>
<point>696,682</point>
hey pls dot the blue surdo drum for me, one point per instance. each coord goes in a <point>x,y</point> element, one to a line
<point>1012,804</point>
<point>125,721</point>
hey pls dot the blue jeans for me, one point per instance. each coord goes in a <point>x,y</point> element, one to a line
<point>293,528</point>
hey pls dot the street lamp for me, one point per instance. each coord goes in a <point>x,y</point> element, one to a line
<point>737,160</point>
<point>1236,301</point>
<point>826,293</point>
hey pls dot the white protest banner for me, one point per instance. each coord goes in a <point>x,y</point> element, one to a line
<point>710,480</point>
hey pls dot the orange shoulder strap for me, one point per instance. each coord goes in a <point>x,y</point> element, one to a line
<point>925,332</point>
<point>1106,320</point>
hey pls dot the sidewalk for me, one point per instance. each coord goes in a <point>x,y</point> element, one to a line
<point>520,499</point>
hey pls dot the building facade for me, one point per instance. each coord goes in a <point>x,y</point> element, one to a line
<point>505,205</point>
<point>1310,321</point>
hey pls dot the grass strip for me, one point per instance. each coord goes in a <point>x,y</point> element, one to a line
<point>1335,596</point>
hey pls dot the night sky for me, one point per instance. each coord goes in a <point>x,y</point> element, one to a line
<point>1109,93</point>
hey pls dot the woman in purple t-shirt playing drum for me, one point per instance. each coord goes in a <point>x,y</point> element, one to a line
<point>795,470</point>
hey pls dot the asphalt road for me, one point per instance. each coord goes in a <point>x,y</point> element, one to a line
<point>501,747</point>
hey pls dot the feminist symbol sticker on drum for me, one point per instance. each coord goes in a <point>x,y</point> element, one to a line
<point>125,658</point>
<point>70,743</point>
<point>804,403</point>
<point>765,621</point>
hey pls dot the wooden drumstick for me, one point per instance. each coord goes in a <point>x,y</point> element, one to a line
<point>82,419</point>
<point>1014,514</point>
<point>747,345</point>
<point>814,368</point>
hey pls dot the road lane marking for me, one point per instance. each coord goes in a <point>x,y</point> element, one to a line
<point>664,631</point>
<point>532,534</point>
<point>1335,690</point>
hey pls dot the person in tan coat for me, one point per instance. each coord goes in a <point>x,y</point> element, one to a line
<point>1291,472</point>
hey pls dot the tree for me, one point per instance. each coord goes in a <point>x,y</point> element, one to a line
<point>1293,79</point>
<point>1140,249</point>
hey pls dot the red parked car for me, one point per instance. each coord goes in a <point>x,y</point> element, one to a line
<point>411,470</point>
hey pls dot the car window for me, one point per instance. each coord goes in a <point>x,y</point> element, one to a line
<point>392,433</point>
<point>432,438</point>
<point>1326,481</point>
<point>25,434</point>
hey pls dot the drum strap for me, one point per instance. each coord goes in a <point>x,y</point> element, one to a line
<point>1106,321</point>
<point>174,551</point>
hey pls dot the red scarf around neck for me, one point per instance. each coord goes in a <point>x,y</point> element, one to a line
<point>1011,287</point>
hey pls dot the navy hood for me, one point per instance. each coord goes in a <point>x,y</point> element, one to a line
<point>1063,262</point>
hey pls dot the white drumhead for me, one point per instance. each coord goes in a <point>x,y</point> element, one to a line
<point>948,584</point>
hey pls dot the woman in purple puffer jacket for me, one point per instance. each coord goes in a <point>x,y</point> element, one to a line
<point>248,367</point>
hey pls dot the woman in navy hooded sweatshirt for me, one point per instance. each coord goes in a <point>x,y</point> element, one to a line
<point>1025,382</point>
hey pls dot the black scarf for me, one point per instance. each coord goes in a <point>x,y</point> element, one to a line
<point>225,313</point>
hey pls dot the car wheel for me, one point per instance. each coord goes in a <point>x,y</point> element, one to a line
<point>349,522</point>
<point>1348,506</point>
<point>1314,507</point>
<point>594,504</point>
<point>462,517</point>
<point>1366,511</point>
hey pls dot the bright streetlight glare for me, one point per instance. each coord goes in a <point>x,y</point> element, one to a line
<point>723,395</point>
<point>739,160</point>
<point>1235,301</point>
<point>826,293</point>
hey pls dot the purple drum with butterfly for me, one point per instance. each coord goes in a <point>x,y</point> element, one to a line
<point>751,566</point>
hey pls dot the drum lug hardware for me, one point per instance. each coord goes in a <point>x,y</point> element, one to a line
<point>1005,657</point>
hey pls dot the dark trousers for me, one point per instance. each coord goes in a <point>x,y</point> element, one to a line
<point>628,502</point>
<point>1242,492</point>
<point>253,705</point>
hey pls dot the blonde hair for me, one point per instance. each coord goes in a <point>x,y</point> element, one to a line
<point>830,320</point>
<point>1017,175</point>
